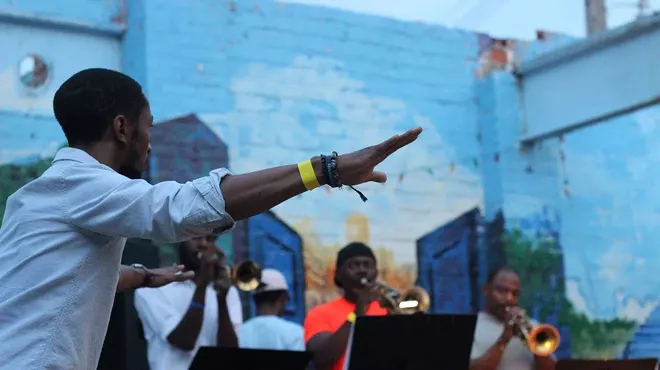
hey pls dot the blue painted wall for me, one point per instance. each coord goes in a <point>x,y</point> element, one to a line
<point>278,82</point>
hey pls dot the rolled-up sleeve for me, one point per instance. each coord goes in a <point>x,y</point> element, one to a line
<point>100,200</point>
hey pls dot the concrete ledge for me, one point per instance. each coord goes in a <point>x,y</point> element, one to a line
<point>59,23</point>
<point>590,45</point>
<point>591,81</point>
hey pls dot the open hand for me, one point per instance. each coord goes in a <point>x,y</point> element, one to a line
<point>166,275</point>
<point>358,167</point>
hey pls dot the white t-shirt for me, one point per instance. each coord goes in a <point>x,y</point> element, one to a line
<point>517,355</point>
<point>162,309</point>
<point>272,332</point>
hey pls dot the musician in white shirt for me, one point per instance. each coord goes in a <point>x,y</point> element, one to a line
<point>181,317</point>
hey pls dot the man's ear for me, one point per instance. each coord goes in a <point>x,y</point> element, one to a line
<point>121,129</point>
<point>485,289</point>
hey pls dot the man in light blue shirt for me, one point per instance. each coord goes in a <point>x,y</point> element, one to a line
<point>63,234</point>
<point>268,330</point>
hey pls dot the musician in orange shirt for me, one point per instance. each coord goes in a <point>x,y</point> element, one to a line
<point>327,326</point>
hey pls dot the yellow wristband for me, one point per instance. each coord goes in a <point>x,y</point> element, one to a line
<point>308,175</point>
<point>351,317</point>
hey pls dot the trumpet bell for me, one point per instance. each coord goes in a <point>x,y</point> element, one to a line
<point>543,340</point>
<point>247,276</point>
<point>415,300</point>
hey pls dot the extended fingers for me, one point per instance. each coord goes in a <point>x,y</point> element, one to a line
<point>397,142</point>
<point>377,176</point>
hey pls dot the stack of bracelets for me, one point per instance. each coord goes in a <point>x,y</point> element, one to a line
<point>330,174</point>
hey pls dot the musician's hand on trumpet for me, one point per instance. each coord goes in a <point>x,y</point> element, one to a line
<point>514,318</point>
<point>222,279</point>
<point>542,339</point>
<point>213,271</point>
<point>206,269</point>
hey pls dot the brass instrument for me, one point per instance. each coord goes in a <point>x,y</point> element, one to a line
<point>246,275</point>
<point>414,300</point>
<point>542,340</point>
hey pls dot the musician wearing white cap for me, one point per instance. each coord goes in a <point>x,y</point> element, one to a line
<point>268,330</point>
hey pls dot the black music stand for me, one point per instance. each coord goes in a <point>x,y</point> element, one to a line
<point>636,364</point>
<point>225,358</point>
<point>411,342</point>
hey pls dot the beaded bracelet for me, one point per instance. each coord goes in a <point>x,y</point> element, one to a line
<point>331,175</point>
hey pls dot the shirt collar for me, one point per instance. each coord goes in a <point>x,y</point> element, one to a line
<point>73,154</point>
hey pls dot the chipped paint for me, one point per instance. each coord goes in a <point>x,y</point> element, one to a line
<point>495,55</point>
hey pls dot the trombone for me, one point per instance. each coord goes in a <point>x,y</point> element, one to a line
<point>414,300</point>
<point>542,340</point>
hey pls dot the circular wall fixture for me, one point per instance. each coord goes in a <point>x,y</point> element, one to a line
<point>33,71</point>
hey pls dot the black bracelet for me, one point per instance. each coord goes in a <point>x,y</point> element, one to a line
<point>324,168</point>
<point>331,175</point>
<point>332,170</point>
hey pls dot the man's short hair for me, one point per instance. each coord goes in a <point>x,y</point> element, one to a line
<point>88,101</point>
<point>268,297</point>
<point>493,274</point>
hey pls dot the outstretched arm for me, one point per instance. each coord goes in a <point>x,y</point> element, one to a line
<point>253,193</point>
<point>171,212</point>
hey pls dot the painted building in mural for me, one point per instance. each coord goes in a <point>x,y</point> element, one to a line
<point>255,84</point>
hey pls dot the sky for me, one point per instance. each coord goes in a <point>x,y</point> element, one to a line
<point>518,19</point>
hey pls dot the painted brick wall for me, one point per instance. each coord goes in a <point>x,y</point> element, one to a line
<point>276,83</point>
<point>306,79</point>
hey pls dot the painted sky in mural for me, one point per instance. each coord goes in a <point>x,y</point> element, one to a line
<point>399,212</point>
<point>610,223</point>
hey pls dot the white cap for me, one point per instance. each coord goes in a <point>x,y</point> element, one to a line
<point>272,280</point>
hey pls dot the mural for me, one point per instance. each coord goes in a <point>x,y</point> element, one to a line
<point>585,261</point>
<point>609,232</point>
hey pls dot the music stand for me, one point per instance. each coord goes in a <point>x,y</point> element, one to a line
<point>636,364</point>
<point>225,358</point>
<point>411,342</point>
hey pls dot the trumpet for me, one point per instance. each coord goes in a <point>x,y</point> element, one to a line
<point>542,340</point>
<point>415,300</point>
<point>246,275</point>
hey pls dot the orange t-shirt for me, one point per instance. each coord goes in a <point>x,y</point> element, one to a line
<point>331,316</point>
